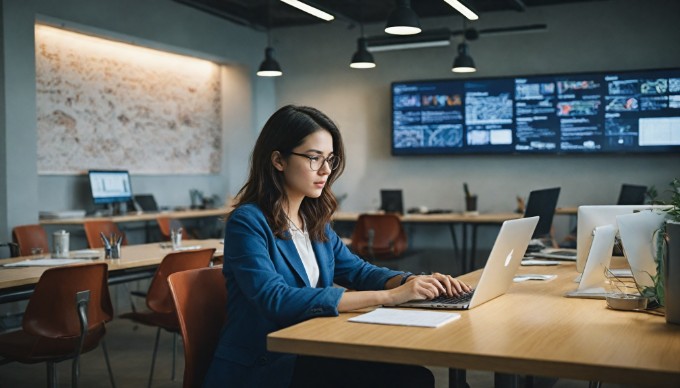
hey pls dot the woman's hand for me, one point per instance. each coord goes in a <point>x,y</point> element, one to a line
<point>427,287</point>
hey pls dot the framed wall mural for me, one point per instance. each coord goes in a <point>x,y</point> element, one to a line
<point>103,104</point>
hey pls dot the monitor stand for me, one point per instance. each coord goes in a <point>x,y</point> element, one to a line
<point>118,208</point>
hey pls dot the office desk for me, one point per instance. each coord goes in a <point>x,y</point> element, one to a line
<point>450,219</point>
<point>531,330</point>
<point>137,217</point>
<point>136,262</point>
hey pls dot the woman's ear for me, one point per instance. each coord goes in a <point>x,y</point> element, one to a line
<point>277,161</point>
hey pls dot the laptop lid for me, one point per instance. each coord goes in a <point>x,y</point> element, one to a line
<point>501,266</point>
<point>504,259</point>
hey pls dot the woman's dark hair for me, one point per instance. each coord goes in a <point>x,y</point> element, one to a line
<point>286,129</point>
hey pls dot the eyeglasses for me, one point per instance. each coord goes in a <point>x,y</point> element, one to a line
<point>316,162</point>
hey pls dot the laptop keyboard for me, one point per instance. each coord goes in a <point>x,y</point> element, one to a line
<point>445,299</point>
<point>462,298</point>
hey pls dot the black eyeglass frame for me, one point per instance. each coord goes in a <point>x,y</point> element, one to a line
<point>332,160</point>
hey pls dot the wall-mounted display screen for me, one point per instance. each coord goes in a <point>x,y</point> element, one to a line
<point>608,112</point>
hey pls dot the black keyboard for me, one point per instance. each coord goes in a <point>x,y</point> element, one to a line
<point>444,299</point>
<point>462,298</point>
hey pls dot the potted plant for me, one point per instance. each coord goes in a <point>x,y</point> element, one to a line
<point>666,289</point>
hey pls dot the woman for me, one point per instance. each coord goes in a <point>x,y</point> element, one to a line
<point>281,259</point>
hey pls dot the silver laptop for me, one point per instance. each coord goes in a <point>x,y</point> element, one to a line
<point>506,255</point>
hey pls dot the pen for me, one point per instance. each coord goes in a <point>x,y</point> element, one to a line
<point>467,191</point>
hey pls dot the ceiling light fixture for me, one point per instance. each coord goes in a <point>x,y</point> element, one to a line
<point>362,59</point>
<point>463,62</point>
<point>432,38</point>
<point>403,20</point>
<point>309,9</point>
<point>269,67</point>
<point>463,9</point>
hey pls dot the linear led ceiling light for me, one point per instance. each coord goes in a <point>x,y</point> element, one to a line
<point>309,9</point>
<point>403,20</point>
<point>431,38</point>
<point>463,9</point>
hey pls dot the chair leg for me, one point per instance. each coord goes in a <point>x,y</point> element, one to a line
<point>52,378</point>
<point>174,354</point>
<point>153,358</point>
<point>75,371</point>
<point>108,364</point>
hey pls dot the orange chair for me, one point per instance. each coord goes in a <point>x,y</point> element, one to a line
<point>200,297</point>
<point>379,236</point>
<point>94,228</point>
<point>162,313</point>
<point>65,317</point>
<point>29,237</point>
<point>166,224</point>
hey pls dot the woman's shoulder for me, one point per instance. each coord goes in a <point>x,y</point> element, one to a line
<point>247,211</point>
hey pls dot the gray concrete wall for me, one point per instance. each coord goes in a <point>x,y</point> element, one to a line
<point>581,37</point>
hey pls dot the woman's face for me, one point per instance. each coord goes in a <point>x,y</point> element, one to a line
<point>300,180</point>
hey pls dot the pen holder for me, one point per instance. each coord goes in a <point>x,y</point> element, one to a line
<point>471,205</point>
<point>112,252</point>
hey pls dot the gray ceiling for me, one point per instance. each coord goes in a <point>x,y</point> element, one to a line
<point>263,14</point>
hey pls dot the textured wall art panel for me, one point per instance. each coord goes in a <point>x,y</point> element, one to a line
<point>103,104</point>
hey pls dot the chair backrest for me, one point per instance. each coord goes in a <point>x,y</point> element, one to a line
<point>632,195</point>
<point>29,237</point>
<point>51,310</point>
<point>166,224</point>
<point>379,236</point>
<point>542,203</point>
<point>94,227</point>
<point>158,297</point>
<point>200,297</point>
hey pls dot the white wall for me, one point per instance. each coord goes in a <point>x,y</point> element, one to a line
<point>581,37</point>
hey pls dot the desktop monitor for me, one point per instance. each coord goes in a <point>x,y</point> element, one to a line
<point>632,195</point>
<point>590,217</point>
<point>542,203</point>
<point>391,201</point>
<point>110,186</point>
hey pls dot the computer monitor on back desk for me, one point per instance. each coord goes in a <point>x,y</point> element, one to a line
<point>392,201</point>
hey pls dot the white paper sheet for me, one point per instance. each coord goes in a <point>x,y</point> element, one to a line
<point>420,318</point>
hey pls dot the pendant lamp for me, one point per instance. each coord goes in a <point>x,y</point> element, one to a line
<point>403,20</point>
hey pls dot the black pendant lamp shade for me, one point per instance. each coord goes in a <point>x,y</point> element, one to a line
<point>269,67</point>
<point>403,20</point>
<point>463,62</point>
<point>362,59</point>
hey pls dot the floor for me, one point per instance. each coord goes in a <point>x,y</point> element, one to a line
<point>130,348</point>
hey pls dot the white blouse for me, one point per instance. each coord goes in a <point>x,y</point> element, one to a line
<point>303,244</point>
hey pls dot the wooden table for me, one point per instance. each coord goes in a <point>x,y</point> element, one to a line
<point>530,330</point>
<point>451,219</point>
<point>136,262</point>
<point>139,216</point>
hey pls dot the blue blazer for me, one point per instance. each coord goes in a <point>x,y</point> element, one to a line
<point>268,289</point>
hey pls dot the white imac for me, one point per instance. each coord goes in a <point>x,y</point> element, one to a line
<point>590,217</point>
